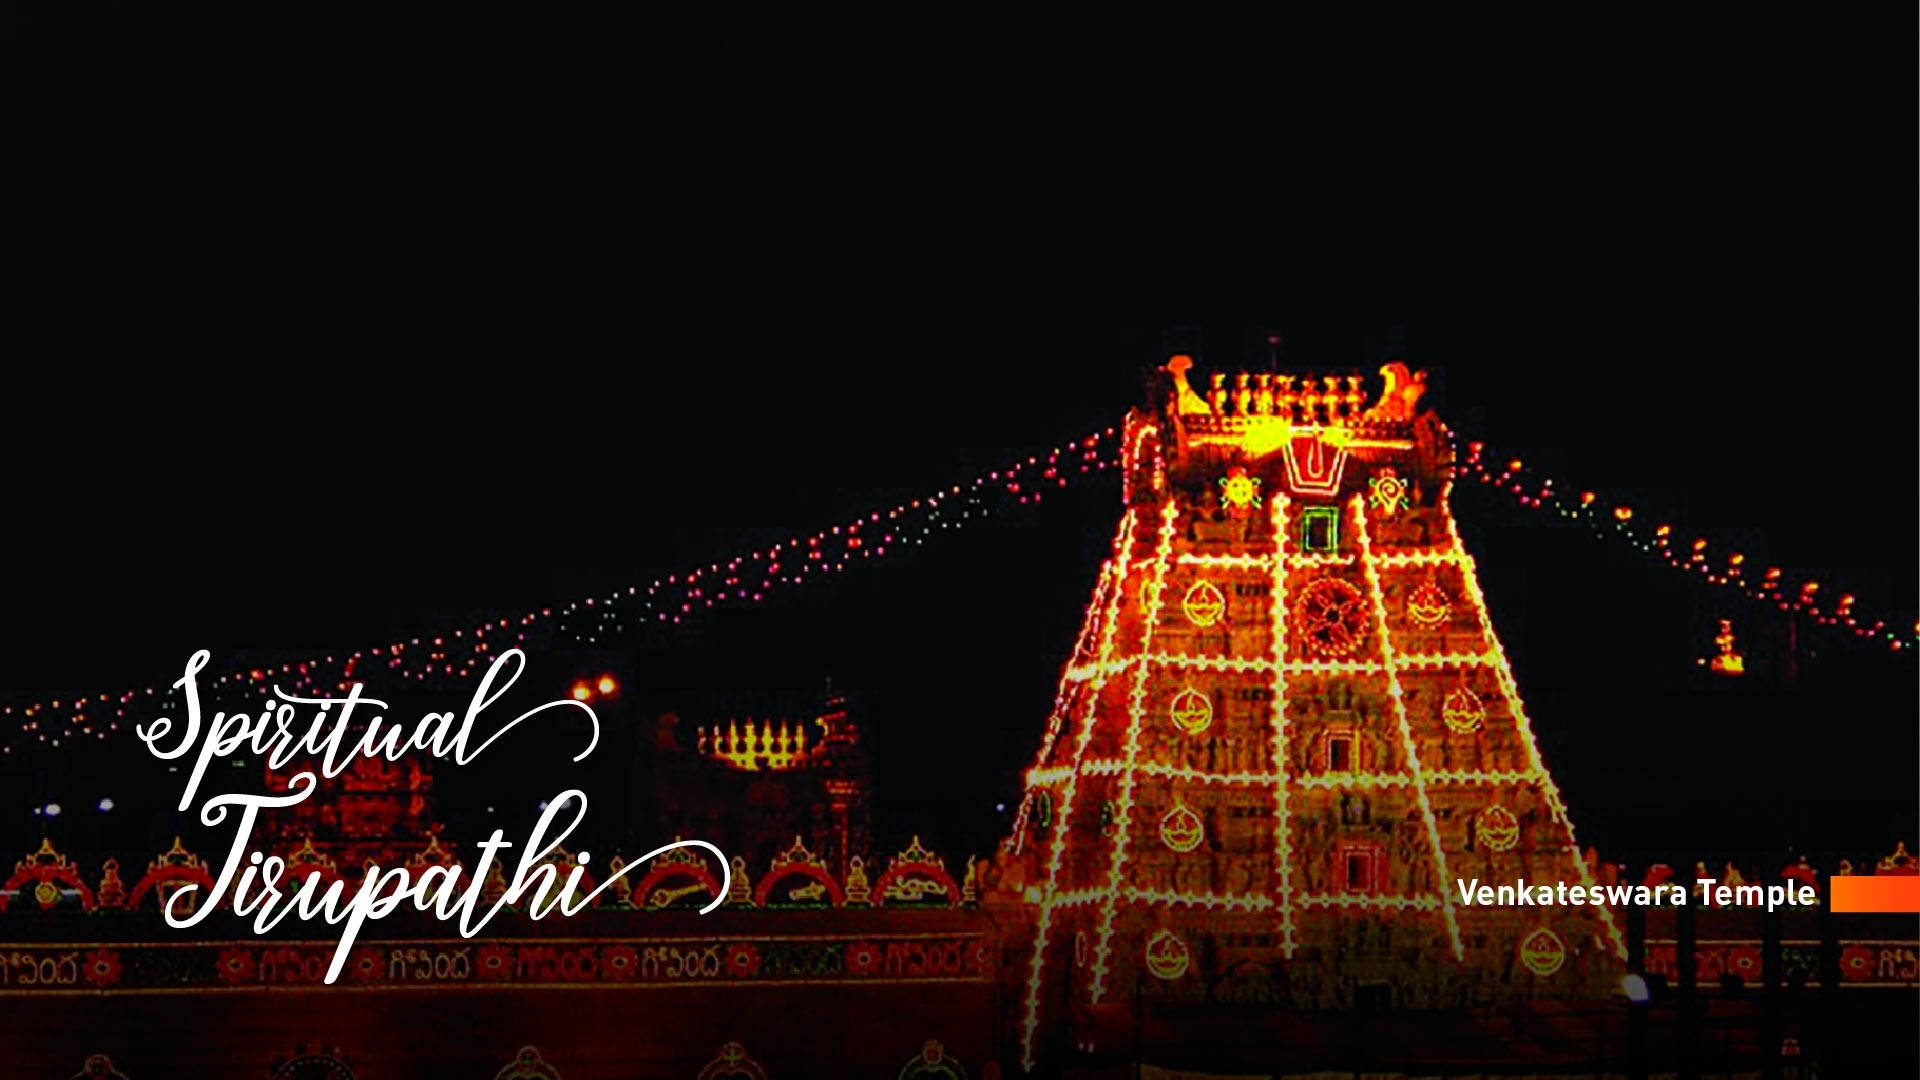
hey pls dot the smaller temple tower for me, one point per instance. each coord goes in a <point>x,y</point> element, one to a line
<point>375,811</point>
<point>753,784</point>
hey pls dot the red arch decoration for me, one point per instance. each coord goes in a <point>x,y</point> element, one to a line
<point>176,864</point>
<point>805,870</point>
<point>668,867</point>
<point>915,862</point>
<point>797,861</point>
<point>304,861</point>
<point>46,866</point>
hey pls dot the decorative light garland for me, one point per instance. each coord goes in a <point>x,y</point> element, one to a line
<point>1616,521</point>
<point>1358,507</point>
<point>749,577</point>
<point>1282,825</point>
<point>753,576</point>
<point>1049,900</point>
<point>1136,720</point>
<point>1510,690</point>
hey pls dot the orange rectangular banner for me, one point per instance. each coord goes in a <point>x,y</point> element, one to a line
<point>1881,893</point>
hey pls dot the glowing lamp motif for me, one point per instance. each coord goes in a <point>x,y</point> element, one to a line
<point>1191,711</point>
<point>1388,493</point>
<point>932,1063</point>
<point>1239,491</point>
<point>1182,830</point>
<point>1497,829</point>
<point>1462,711</point>
<point>1428,606</point>
<point>1167,955</point>
<point>1203,604</point>
<point>1542,952</point>
<point>1729,661</point>
<point>1332,616</point>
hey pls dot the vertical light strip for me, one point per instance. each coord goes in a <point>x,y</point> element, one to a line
<point>1063,698</point>
<point>1082,644</point>
<point>1359,508</point>
<point>1109,623</point>
<point>1510,689</point>
<point>1137,712</point>
<point>1282,764</point>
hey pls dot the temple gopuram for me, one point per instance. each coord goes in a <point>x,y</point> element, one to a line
<point>754,785</point>
<point>1286,729</point>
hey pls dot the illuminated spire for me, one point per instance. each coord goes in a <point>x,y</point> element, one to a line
<point>1288,725</point>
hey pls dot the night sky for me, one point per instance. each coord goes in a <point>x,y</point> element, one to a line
<point>318,341</point>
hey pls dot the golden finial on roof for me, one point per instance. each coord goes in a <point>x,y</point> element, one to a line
<point>1283,396</point>
<point>797,855</point>
<point>859,892</point>
<point>1401,395</point>
<point>1262,394</point>
<point>739,888</point>
<point>1185,401</point>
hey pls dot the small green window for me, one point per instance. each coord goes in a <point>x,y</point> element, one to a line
<point>1320,529</point>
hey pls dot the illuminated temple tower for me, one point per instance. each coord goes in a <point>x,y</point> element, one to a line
<point>1287,728</point>
<point>753,786</point>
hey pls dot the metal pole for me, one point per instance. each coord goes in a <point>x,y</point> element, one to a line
<point>1637,1010</point>
<point>1687,1003</point>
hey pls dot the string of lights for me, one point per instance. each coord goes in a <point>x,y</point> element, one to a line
<point>746,578</point>
<point>752,577</point>
<point>1616,520</point>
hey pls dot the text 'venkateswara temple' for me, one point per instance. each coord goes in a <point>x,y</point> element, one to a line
<point>1287,727</point>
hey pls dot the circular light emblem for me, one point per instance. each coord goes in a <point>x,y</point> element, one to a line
<point>1542,952</point>
<point>1497,829</point>
<point>1167,955</point>
<point>1462,711</point>
<point>1203,604</point>
<point>1182,830</point>
<point>1190,711</point>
